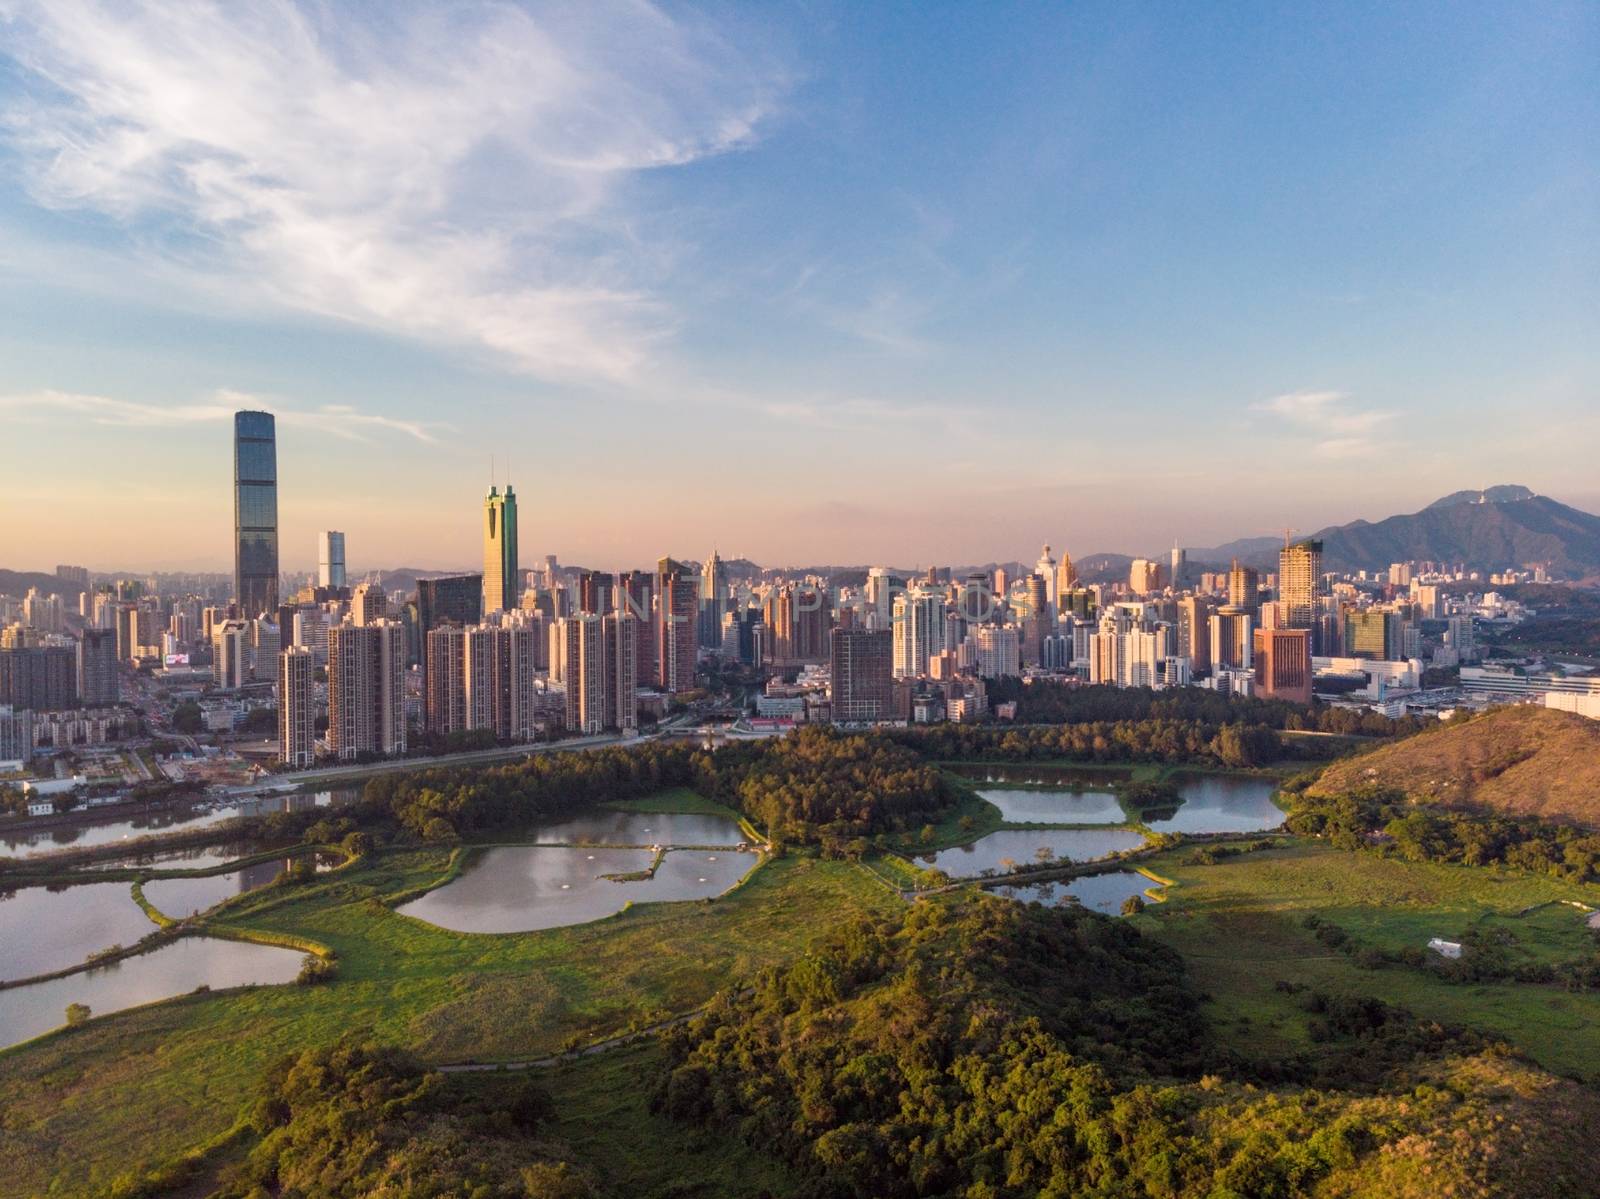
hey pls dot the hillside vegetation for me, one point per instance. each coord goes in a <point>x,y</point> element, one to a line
<point>998,1051</point>
<point>1520,761</point>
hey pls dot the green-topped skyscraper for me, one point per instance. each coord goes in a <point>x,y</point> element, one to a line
<point>501,583</point>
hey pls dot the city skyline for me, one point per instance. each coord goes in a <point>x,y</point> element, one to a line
<point>1044,260</point>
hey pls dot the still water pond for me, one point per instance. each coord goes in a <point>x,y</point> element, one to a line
<point>173,969</point>
<point>43,930</point>
<point>1009,847</point>
<point>182,897</point>
<point>164,819</point>
<point>522,888</point>
<point>1220,803</point>
<point>1038,806</point>
<point>1211,803</point>
<point>1102,892</point>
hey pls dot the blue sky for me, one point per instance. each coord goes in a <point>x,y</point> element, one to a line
<point>815,282</point>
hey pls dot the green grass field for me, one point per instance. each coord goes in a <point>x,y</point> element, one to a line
<point>80,1106</point>
<point>1239,924</point>
<point>678,799</point>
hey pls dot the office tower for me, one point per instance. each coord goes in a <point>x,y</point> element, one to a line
<point>861,675</point>
<point>1066,576</point>
<point>501,582</point>
<point>677,610</point>
<point>368,604</point>
<point>918,632</point>
<point>447,599</point>
<point>297,719</point>
<point>97,667</point>
<point>1194,633</point>
<point>1300,582</point>
<point>1045,568</point>
<point>1179,566</point>
<point>1376,633</point>
<point>330,559</point>
<point>713,601</point>
<point>255,512</point>
<point>1232,638</point>
<point>366,689</point>
<point>230,654</point>
<point>1283,664</point>
<point>998,651</point>
<point>1002,583</point>
<point>1144,576</point>
<point>1038,618</point>
<point>1244,587</point>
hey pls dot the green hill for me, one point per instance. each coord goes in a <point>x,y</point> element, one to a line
<point>1520,761</point>
<point>984,1048</point>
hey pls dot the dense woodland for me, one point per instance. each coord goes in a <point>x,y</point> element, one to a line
<point>1383,820</point>
<point>817,787</point>
<point>996,1050</point>
<point>357,1119</point>
<point>1041,701</point>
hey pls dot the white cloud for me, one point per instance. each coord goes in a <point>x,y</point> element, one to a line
<point>339,420</point>
<point>1339,429</point>
<point>447,172</point>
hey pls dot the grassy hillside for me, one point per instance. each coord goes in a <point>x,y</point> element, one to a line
<point>1519,761</point>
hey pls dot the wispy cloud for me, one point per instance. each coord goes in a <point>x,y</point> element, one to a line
<point>338,420</point>
<point>1338,429</point>
<point>449,172</point>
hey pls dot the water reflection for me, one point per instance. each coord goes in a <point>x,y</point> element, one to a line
<point>1101,892</point>
<point>1008,848</point>
<point>523,888</point>
<point>173,969</point>
<point>42,930</point>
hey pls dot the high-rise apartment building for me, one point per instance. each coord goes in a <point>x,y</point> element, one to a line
<point>297,718</point>
<point>446,599</point>
<point>636,595</point>
<point>861,674</point>
<point>330,559</point>
<point>255,512</point>
<point>97,667</point>
<point>997,651</point>
<point>39,677</point>
<point>368,604</point>
<point>502,584</point>
<point>677,613</point>
<point>366,689</point>
<point>918,631</point>
<point>1300,583</point>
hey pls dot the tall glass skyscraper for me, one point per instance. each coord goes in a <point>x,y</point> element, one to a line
<point>255,512</point>
<point>502,587</point>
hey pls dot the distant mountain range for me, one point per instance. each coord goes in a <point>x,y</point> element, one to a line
<point>1505,526</point>
<point>1494,528</point>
